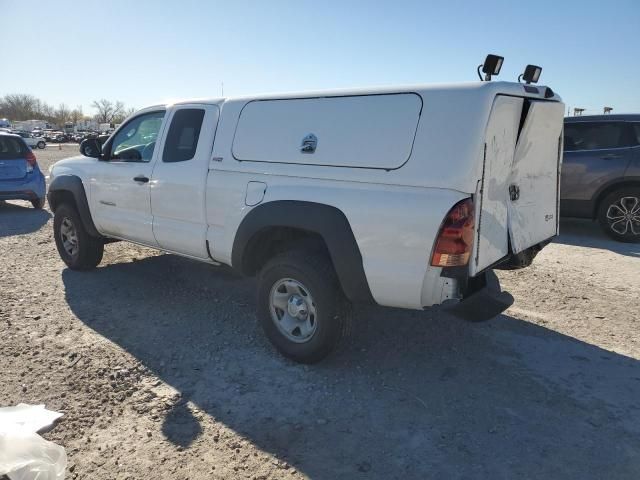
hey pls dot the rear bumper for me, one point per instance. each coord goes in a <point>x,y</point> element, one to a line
<point>29,188</point>
<point>482,301</point>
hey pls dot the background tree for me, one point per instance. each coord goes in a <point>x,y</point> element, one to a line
<point>107,110</point>
<point>19,106</point>
<point>46,112</point>
<point>76,114</point>
<point>125,113</point>
<point>62,114</point>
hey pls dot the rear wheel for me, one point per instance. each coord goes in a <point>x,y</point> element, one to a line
<point>41,145</point>
<point>619,214</point>
<point>301,306</point>
<point>38,203</point>
<point>78,249</point>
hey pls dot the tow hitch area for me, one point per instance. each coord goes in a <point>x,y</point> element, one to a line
<point>484,304</point>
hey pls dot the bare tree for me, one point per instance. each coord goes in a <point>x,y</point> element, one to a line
<point>107,110</point>
<point>122,116</point>
<point>47,112</point>
<point>62,115</point>
<point>19,106</point>
<point>76,114</point>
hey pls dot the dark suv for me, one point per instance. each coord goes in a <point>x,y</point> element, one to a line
<point>601,173</point>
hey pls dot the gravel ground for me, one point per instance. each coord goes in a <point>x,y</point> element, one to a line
<point>159,366</point>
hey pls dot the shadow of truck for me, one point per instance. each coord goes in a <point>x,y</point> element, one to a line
<point>414,395</point>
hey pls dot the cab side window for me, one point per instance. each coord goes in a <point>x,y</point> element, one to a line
<point>136,140</point>
<point>182,139</point>
<point>594,136</point>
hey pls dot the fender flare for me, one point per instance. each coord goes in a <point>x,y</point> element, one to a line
<point>73,185</point>
<point>327,221</point>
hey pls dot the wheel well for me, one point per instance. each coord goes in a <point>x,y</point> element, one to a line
<point>58,197</point>
<point>281,225</point>
<point>608,190</point>
<point>271,241</point>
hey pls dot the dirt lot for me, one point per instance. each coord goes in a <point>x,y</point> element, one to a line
<point>162,372</point>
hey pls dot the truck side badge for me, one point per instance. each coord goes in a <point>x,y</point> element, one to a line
<point>309,143</point>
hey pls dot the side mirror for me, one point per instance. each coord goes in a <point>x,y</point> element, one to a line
<point>90,147</point>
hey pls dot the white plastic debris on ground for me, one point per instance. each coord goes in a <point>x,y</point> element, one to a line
<point>25,455</point>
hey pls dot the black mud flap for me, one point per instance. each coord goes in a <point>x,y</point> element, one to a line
<point>484,304</point>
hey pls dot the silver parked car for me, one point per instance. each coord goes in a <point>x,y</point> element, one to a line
<point>32,141</point>
<point>601,173</point>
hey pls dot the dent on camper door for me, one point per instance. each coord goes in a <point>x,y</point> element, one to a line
<point>178,185</point>
<point>519,188</point>
<point>533,215</point>
<point>492,223</point>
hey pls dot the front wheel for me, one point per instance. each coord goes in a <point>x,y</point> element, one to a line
<point>41,145</point>
<point>619,214</point>
<point>78,249</point>
<point>301,306</point>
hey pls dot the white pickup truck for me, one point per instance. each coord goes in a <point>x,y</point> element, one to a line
<point>405,197</point>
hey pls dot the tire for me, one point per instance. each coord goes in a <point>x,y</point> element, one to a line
<point>292,275</point>
<point>41,145</point>
<point>88,250</point>
<point>38,203</point>
<point>619,214</point>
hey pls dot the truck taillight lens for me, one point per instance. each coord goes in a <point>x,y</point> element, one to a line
<point>455,238</point>
<point>31,161</point>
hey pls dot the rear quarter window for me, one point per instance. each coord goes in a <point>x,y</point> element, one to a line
<point>11,147</point>
<point>182,139</point>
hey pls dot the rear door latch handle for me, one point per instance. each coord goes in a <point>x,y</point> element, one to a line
<point>309,143</point>
<point>514,192</point>
<point>141,179</point>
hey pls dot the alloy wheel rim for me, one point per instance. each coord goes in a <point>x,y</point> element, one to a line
<point>623,216</point>
<point>293,310</point>
<point>69,236</point>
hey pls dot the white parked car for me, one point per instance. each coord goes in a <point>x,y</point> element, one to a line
<point>403,196</point>
<point>32,141</point>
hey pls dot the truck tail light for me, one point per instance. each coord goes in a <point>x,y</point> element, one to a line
<point>455,238</point>
<point>31,161</point>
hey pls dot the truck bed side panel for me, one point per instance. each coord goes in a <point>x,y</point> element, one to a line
<point>394,231</point>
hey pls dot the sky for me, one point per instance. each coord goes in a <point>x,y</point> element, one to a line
<point>146,52</point>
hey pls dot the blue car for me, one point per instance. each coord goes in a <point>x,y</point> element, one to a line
<point>20,176</point>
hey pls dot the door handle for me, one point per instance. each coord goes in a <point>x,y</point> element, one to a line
<point>141,179</point>
<point>514,192</point>
<point>309,144</point>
